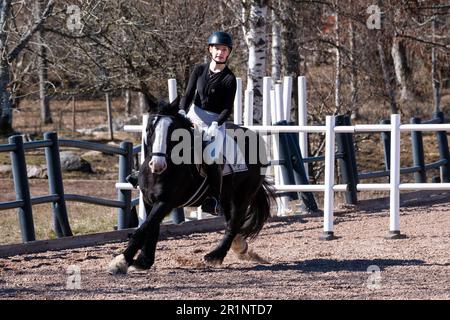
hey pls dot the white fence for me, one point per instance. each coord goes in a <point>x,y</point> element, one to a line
<point>394,186</point>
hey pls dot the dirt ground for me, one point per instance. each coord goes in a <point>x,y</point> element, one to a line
<point>360,264</point>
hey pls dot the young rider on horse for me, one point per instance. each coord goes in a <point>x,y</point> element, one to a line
<point>211,88</point>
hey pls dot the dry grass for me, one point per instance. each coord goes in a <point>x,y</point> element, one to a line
<point>84,219</point>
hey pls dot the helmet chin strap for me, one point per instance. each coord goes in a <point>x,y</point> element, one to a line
<point>220,62</point>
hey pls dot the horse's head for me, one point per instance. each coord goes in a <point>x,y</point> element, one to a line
<point>161,124</point>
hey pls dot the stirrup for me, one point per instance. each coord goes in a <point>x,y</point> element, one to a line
<point>211,205</point>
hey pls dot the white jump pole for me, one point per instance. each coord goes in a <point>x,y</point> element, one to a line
<point>266,116</point>
<point>279,102</point>
<point>142,215</point>
<point>238,102</point>
<point>172,84</point>
<point>328,202</point>
<point>248,108</point>
<point>283,204</point>
<point>287,97</point>
<point>275,144</point>
<point>177,214</point>
<point>273,111</point>
<point>394,215</point>
<point>303,118</point>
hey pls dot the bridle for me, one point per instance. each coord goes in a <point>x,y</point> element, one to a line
<point>154,125</point>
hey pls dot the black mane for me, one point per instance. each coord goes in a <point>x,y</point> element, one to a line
<point>171,109</point>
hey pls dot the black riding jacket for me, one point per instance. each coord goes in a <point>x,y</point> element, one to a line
<point>213,91</point>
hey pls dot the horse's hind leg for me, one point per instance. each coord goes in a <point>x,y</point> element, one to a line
<point>234,222</point>
<point>239,245</point>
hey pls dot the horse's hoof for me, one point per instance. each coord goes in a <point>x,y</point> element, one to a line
<point>118,265</point>
<point>212,261</point>
<point>138,266</point>
<point>134,268</point>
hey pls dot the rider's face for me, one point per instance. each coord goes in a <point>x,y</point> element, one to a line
<point>219,52</point>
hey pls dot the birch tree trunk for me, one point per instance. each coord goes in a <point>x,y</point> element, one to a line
<point>143,103</point>
<point>110,116</point>
<point>390,90</point>
<point>276,47</point>
<point>127,102</point>
<point>254,18</point>
<point>400,67</point>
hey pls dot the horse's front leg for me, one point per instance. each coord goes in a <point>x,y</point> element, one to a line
<point>146,257</point>
<point>145,236</point>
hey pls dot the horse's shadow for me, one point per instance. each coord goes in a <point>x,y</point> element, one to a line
<point>422,198</point>
<point>333,265</point>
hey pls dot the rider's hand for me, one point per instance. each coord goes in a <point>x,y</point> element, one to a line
<point>212,129</point>
<point>182,113</point>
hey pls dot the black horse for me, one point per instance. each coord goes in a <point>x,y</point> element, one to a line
<point>245,197</point>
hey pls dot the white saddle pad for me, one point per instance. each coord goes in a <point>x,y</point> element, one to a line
<point>234,160</point>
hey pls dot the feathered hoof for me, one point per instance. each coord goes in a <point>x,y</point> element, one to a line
<point>212,261</point>
<point>118,265</point>
<point>134,268</point>
<point>138,267</point>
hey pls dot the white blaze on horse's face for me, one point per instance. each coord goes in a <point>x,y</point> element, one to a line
<point>158,162</point>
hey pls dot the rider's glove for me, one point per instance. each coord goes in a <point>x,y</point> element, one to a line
<point>212,130</point>
<point>182,112</point>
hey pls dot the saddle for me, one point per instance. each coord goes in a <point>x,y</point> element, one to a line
<point>233,159</point>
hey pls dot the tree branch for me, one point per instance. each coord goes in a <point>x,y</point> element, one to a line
<point>434,44</point>
<point>27,35</point>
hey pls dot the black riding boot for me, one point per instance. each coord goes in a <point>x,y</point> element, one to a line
<point>212,203</point>
<point>133,178</point>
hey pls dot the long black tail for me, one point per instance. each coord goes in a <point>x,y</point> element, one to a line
<point>258,211</point>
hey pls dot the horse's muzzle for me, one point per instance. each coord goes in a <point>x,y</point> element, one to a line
<point>157,164</point>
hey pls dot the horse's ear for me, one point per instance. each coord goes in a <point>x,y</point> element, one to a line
<point>175,103</point>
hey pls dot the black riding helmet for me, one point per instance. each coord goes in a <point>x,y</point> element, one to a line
<point>220,37</point>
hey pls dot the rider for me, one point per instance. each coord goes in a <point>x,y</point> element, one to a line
<point>211,88</point>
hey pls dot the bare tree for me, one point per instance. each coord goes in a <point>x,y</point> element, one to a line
<point>46,116</point>
<point>140,43</point>
<point>387,76</point>
<point>353,68</point>
<point>434,74</point>
<point>13,40</point>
